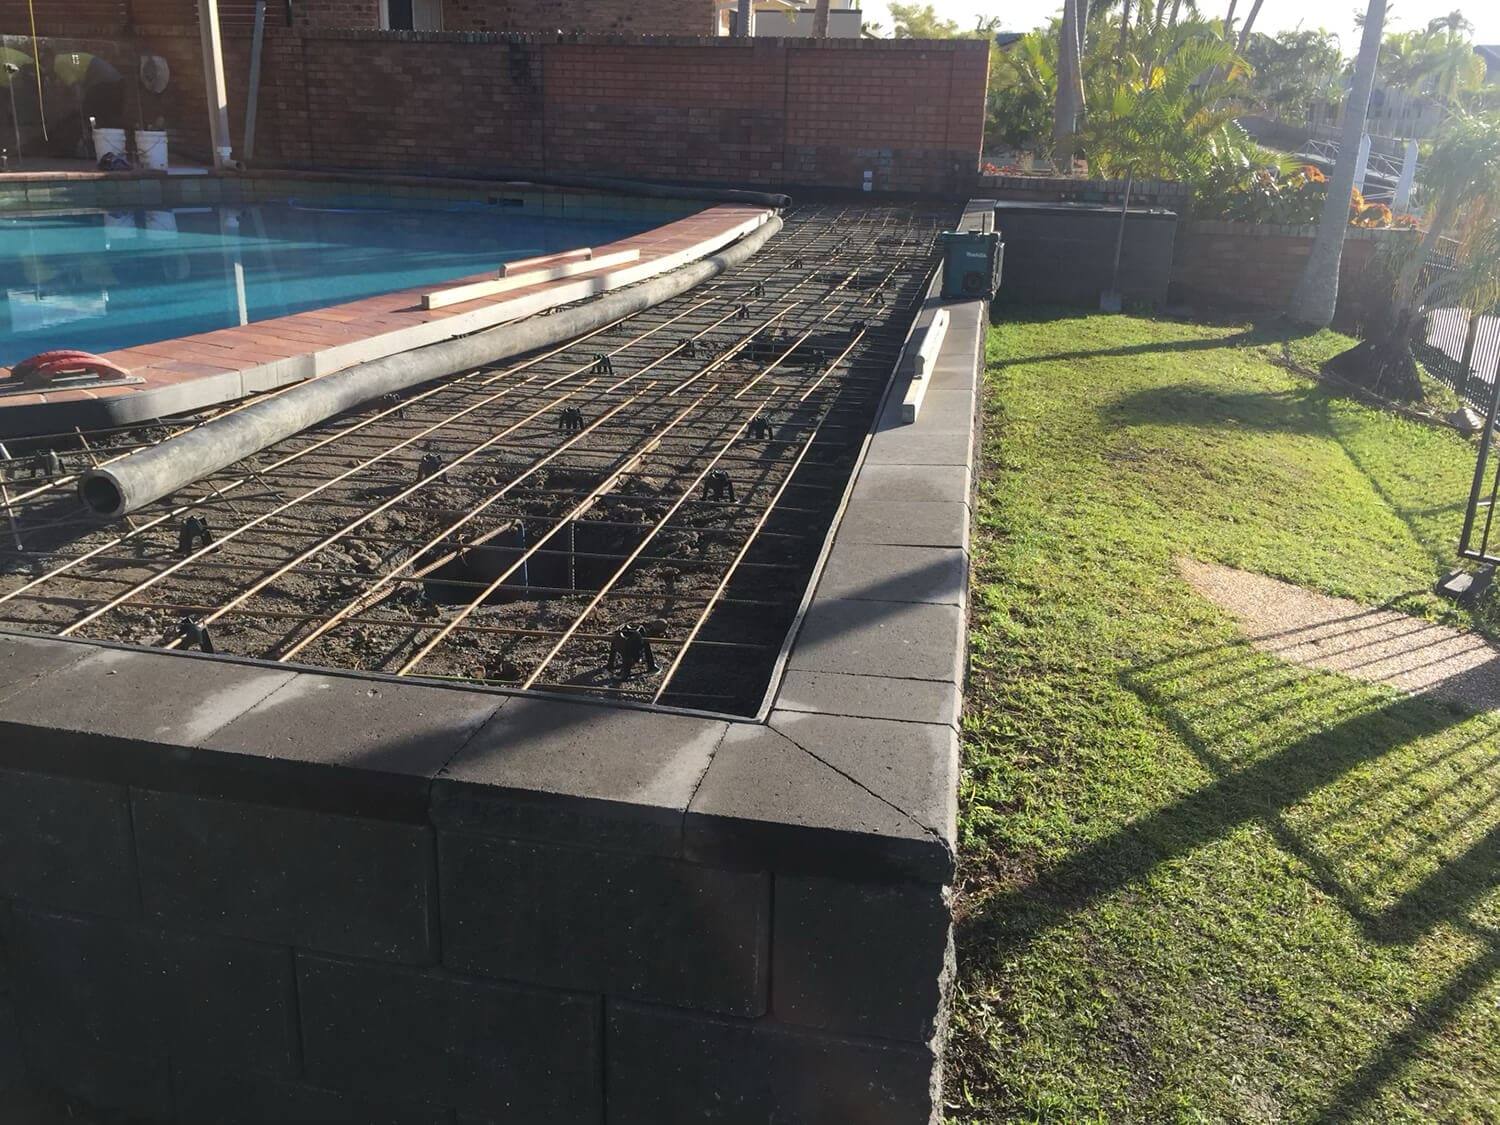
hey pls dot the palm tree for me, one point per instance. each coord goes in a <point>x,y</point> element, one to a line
<point>1249,23</point>
<point>1454,23</point>
<point>1171,122</point>
<point>1070,103</point>
<point>1464,170</point>
<point>1317,294</point>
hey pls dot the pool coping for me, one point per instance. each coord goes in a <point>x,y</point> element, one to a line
<point>189,373</point>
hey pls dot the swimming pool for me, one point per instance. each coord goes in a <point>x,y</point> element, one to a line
<point>102,280</point>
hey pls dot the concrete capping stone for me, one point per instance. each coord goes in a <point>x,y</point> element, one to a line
<point>769,803</point>
<point>578,773</point>
<point>25,659</point>
<point>870,697</point>
<point>657,929</point>
<point>913,767</point>
<point>127,715</point>
<point>370,747</point>
<point>902,640</point>
<point>930,574</point>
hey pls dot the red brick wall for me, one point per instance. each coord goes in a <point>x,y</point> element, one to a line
<point>627,17</point>
<point>766,112</point>
<point>67,17</point>
<point>1254,269</point>
<point>770,112</point>
<point>338,14</point>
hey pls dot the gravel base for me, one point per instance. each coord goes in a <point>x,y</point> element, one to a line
<point>1377,645</point>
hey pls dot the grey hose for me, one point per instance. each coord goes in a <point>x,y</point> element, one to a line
<point>125,485</point>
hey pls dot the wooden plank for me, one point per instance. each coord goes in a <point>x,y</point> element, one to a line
<point>442,298</point>
<point>523,265</point>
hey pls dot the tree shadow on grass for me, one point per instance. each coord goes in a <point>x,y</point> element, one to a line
<point>1202,406</point>
<point>1270,332</point>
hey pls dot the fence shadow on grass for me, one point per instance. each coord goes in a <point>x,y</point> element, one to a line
<point>1350,766</point>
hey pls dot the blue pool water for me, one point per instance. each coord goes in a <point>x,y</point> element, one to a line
<point>104,281</point>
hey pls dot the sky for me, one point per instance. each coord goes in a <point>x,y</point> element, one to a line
<point>1275,15</point>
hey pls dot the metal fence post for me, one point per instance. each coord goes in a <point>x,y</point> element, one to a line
<point>1466,364</point>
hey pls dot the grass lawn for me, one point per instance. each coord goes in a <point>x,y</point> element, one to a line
<point>1198,883</point>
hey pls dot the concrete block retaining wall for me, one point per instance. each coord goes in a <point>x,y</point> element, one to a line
<point>233,893</point>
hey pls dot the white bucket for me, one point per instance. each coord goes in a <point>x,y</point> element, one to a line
<point>151,148</point>
<point>109,140</point>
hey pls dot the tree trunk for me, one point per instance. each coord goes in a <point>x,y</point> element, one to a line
<point>1069,83</point>
<point>1125,32</point>
<point>1249,23</point>
<point>1317,294</point>
<point>1229,22</point>
<point>1176,7</point>
<point>1411,273</point>
<point>820,20</point>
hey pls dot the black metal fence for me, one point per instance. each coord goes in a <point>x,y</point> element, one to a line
<point>1461,348</point>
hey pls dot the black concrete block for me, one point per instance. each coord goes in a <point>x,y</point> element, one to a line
<point>136,1085</point>
<point>65,842</point>
<point>137,989</point>
<point>315,880</point>
<point>668,1067</point>
<point>768,804</point>
<point>577,773</point>
<point>860,958</point>
<point>12,1064</point>
<point>520,1054</point>
<point>217,1098</point>
<point>643,926</point>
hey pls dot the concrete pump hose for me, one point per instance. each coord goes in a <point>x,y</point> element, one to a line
<point>128,484</point>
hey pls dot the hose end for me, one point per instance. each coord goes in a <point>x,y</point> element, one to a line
<point>100,490</point>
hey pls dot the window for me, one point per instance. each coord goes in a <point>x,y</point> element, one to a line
<point>411,15</point>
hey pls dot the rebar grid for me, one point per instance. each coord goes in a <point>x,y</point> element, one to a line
<point>471,531</point>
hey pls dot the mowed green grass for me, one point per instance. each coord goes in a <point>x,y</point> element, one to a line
<point>1198,883</point>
